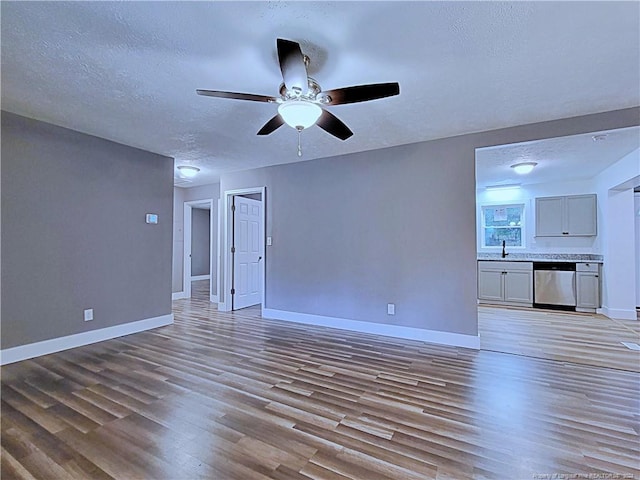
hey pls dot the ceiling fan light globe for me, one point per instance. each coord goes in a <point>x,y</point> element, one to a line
<point>299,113</point>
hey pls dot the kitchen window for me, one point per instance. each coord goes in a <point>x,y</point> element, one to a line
<point>503,223</point>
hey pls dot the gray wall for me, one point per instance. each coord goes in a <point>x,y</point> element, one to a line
<point>355,232</point>
<point>200,238</point>
<point>74,234</point>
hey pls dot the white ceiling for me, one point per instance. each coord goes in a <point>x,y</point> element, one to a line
<point>577,157</point>
<point>128,71</point>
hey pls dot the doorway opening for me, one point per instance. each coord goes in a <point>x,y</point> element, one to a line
<point>242,282</point>
<point>200,259</point>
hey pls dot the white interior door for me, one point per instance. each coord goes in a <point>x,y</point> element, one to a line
<point>247,251</point>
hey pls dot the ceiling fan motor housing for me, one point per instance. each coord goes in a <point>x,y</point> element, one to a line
<point>311,95</point>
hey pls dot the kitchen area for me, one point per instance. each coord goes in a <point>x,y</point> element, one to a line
<point>555,224</point>
<point>569,282</point>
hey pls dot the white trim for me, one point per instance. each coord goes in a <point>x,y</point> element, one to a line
<point>180,295</point>
<point>177,295</point>
<point>195,278</point>
<point>223,284</point>
<point>226,241</point>
<point>219,259</point>
<point>398,331</point>
<point>31,350</point>
<point>619,313</point>
<point>186,253</point>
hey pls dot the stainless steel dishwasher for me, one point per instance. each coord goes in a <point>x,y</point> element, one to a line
<point>554,285</point>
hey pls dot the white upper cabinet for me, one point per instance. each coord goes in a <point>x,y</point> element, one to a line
<point>581,215</point>
<point>574,215</point>
<point>549,216</point>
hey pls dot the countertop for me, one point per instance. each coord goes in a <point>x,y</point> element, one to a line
<point>542,257</point>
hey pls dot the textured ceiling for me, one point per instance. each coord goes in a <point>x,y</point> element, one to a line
<point>577,157</point>
<point>128,71</point>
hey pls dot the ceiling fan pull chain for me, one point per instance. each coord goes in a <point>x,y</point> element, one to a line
<point>299,146</point>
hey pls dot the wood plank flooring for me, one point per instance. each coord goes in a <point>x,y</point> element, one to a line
<point>233,396</point>
<point>583,338</point>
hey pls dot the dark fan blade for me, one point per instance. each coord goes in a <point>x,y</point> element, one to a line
<point>273,124</point>
<point>333,125</point>
<point>362,93</point>
<point>237,96</point>
<point>294,71</point>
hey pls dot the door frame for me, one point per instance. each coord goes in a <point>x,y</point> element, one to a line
<point>224,283</point>
<point>186,250</point>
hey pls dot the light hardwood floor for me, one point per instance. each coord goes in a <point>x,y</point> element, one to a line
<point>233,396</point>
<point>586,339</point>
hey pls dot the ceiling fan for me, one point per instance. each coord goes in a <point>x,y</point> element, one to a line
<point>301,102</point>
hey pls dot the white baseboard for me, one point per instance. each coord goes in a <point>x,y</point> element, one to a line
<point>45,347</point>
<point>619,313</point>
<point>181,295</point>
<point>200,277</point>
<point>398,331</point>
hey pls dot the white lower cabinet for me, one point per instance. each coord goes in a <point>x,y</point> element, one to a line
<point>587,287</point>
<point>490,284</point>
<point>508,283</point>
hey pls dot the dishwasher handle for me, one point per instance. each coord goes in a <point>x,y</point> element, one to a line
<point>556,266</point>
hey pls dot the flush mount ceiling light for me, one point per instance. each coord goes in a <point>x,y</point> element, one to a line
<point>524,167</point>
<point>188,171</point>
<point>600,137</point>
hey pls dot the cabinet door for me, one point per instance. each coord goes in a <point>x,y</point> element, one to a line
<point>490,285</point>
<point>518,286</point>
<point>581,215</point>
<point>549,216</point>
<point>588,290</point>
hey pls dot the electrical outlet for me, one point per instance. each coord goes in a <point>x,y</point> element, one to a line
<point>88,314</point>
<point>391,308</point>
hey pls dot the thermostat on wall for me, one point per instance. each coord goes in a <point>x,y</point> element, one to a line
<point>152,218</point>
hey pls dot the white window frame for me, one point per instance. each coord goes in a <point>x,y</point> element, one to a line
<point>522,226</point>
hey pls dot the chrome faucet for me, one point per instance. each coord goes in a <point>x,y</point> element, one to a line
<point>504,253</point>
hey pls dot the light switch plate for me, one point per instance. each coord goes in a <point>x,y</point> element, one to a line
<point>269,241</point>
<point>152,218</point>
